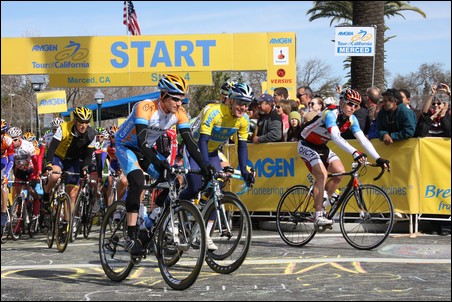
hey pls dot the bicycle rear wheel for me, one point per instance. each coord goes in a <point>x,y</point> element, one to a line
<point>50,236</point>
<point>367,217</point>
<point>295,216</point>
<point>175,238</point>
<point>63,227</point>
<point>116,262</point>
<point>17,216</point>
<point>77,217</point>
<point>232,245</point>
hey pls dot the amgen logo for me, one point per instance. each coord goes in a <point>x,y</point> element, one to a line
<point>52,102</point>
<point>281,41</point>
<point>274,167</point>
<point>45,47</point>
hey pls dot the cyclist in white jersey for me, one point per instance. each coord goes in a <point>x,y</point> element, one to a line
<point>328,125</point>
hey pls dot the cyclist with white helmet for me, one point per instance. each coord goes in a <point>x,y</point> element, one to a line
<point>71,150</point>
<point>7,150</point>
<point>325,126</point>
<point>217,124</point>
<point>135,141</point>
<point>56,122</point>
<point>25,160</point>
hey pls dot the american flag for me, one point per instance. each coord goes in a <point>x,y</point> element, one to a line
<point>131,19</point>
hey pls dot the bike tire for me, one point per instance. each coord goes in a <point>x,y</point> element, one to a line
<point>63,231</point>
<point>233,247</point>
<point>50,235</point>
<point>77,217</point>
<point>295,216</point>
<point>366,224</point>
<point>116,262</point>
<point>88,217</point>
<point>32,226</point>
<point>17,220</point>
<point>183,273</point>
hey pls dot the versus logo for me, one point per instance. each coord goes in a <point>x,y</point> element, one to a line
<point>52,102</point>
<point>45,47</point>
<point>281,41</point>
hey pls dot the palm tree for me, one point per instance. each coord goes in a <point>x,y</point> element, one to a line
<point>363,13</point>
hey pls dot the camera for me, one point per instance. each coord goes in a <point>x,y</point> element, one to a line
<point>439,85</point>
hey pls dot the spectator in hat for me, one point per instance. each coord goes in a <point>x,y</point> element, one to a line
<point>293,134</point>
<point>269,124</point>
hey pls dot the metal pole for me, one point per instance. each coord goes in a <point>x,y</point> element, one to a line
<point>38,130</point>
<point>99,116</point>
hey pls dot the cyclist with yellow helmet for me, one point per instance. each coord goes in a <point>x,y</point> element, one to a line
<point>71,149</point>
<point>135,142</point>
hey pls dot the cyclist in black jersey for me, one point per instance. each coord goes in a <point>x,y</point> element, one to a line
<point>71,150</point>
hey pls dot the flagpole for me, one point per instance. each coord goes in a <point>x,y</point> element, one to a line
<point>127,12</point>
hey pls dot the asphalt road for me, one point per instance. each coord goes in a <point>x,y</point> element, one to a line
<point>327,268</point>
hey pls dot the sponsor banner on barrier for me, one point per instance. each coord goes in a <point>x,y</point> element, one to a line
<point>415,184</point>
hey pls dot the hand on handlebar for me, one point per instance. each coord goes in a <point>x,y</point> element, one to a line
<point>207,171</point>
<point>383,163</point>
<point>359,157</point>
<point>249,179</point>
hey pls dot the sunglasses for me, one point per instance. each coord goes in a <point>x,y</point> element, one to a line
<point>16,139</point>
<point>311,104</point>
<point>436,104</point>
<point>299,95</point>
<point>278,107</point>
<point>177,98</point>
<point>353,105</point>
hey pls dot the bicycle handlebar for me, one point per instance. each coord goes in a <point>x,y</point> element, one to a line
<point>357,165</point>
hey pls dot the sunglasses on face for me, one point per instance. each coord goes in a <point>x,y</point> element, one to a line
<point>241,103</point>
<point>311,104</point>
<point>436,104</point>
<point>278,107</point>
<point>16,139</point>
<point>299,95</point>
<point>177,98</point>
<point>353,105</point>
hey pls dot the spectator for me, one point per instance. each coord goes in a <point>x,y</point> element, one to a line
<point>394,122</point>
<point>315,106</point>
<point>253,114</point>
<point>280,93</point>
<point>293,105</point>
<point>373,102</point>
<point>283,109</point>
<point>269,125</point>
<point>436,121</point>
<point>293,134</point>
<point>304,95</point>
<point>406,97</point>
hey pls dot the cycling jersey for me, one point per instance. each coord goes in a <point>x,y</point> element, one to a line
<point>220,125</point>
<point>47,138</point>
<point>7,146</point>
<point>328,125</point>
<point>73,145</point>
<point>25,160</point>
<point>151,114</point>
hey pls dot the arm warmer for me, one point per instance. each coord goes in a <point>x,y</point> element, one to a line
<point>9,165</point>
<point>338,140</point>
<point>192,147</point>
<point>148,151</point>
<point>243,156</point>
<point>202,144</point>
<point>370,149</point>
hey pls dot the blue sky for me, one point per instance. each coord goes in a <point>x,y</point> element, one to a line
<point>418,40</point>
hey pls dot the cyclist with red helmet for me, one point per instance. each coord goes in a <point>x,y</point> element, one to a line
<point>312,147</point>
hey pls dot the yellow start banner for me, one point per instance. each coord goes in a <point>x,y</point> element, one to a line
<point>125,79</point>
<point>51,101</point>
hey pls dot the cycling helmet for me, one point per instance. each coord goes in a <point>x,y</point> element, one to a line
<point>5,126</point>
<point>82,114</point>
<point>224,89</point>
<point>48,132</point>
<point>57,122</point>
<point>172,83</point>
<point>350,95</point>
<point>112,130</point>
<point>29,136</point>
<point>241,91</point>
<point>14,132</point>
<point>101,131</point>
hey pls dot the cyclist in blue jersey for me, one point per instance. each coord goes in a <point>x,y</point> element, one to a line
<point>317,132</point>
<point>135,150</point>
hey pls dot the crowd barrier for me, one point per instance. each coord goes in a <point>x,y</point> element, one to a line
<point>419,181</point>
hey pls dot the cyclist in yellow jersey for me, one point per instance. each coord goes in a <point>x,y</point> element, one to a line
<point>217,124</point>
<point>71,149</point>
<point>135,150</point>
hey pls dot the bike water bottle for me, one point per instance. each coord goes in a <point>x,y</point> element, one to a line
<point>325,199</point>
<point>142,217</point>
<point>335,196</point>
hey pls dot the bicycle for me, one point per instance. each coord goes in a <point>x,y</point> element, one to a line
<point>21,211</point>
<point>6,230</point>
<point>82,216</point>
<point>170,237</point>
<point>59,228</point>
<point>366,212</point>
<point>229,222</point>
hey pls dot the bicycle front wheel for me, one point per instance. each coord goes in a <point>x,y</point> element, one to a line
<point>63,226</point>
<point>17,218</point>
<point>295,216</point>
<point>175,241</point>
<point>230,232</point>
<point>367,217</point>
<point>116,262</point>
<point>87,215</point>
